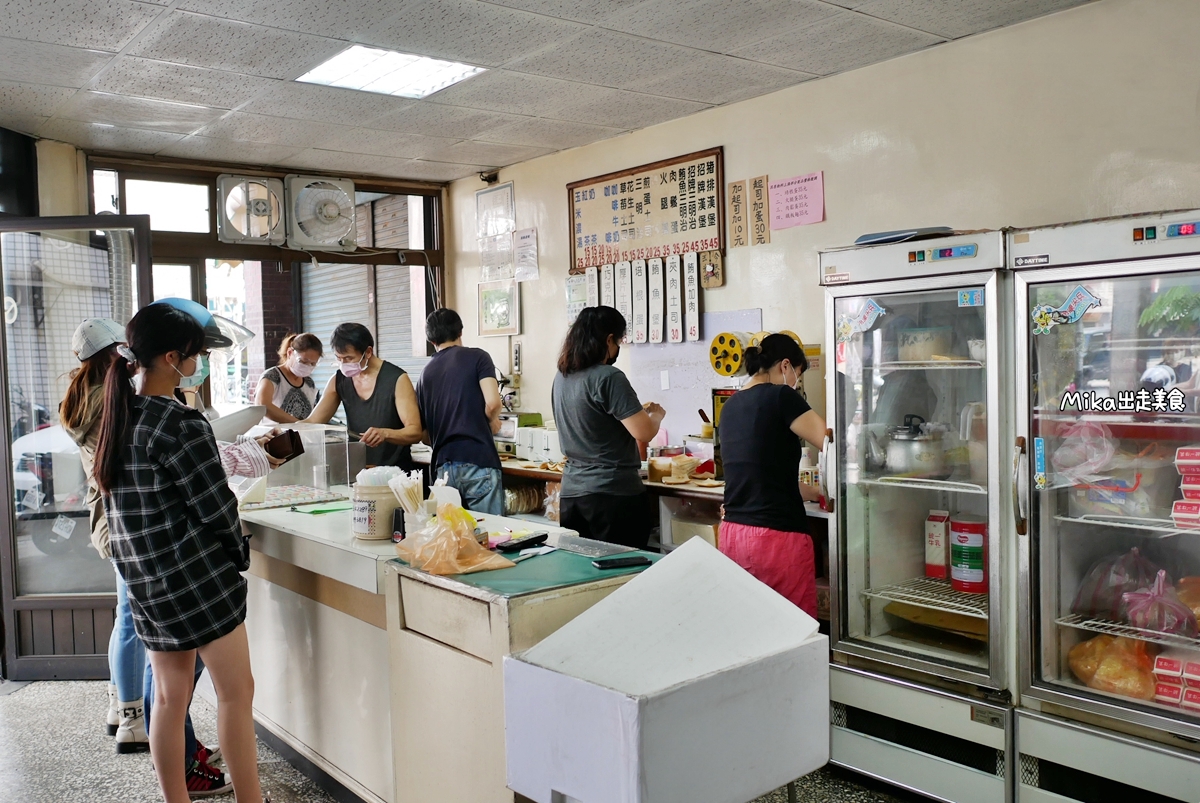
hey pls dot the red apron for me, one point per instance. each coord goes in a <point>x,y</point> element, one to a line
<point>784,561</point>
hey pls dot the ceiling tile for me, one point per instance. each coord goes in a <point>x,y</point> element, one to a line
<point>386,143</point>
<point>96,136</point>
<point>37,63</point>
<point>97,24</point>
<point>842,42</point>
<point>141,113</point>
<point>607,58</point>
<point>718,25</point>
<point>589,11</point>
<point>503,91</point>
<point>271,130</point>
<point>419,170</point>
<point>159,79</point>
<point>21,123</point>
<point>234,46</point>
<point>339,19</point>
<point>468,31</point>
<point>225,150</point>
<point>957,18</point>
<point>489,153</point>
<point>336,161</point>
<point>621,109</point>
<point>427,117</point>
<point>546,133</point>
<point>31,99</point>
<point>724,79</point>
<point>324,103</point>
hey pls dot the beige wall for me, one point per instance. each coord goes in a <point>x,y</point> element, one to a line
<point>1087,113</point>
<point>62,179</point>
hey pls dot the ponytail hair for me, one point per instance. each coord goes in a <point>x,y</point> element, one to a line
<point>153,332</point>
<point>773,350</point>
<point>90,374</point>
<point>301,342</point>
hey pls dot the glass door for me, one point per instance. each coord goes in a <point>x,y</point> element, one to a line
<point>1113,563</point>
<point>57,591</point>
<point>916,426</point>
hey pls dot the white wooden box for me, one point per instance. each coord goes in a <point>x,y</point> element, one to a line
<point>693,683</point>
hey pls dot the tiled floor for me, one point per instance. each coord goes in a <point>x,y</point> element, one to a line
<point>54,749</point>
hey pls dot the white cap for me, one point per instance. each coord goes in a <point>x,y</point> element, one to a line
<point>96,334</point>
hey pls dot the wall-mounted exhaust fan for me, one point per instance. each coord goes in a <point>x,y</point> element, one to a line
<point>320,213</point>
<point>251,210</point>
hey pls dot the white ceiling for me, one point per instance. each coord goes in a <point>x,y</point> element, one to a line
<point>213,80</point>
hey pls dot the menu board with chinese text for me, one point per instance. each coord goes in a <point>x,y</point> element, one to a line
<point>657,210</point>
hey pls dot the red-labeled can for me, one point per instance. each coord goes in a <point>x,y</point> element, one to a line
<point>968,554</point>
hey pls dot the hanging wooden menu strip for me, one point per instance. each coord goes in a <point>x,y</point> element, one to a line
<point>593,286</point>
<point>624,288</point>
<point>674,284</point>
<point>607,287</point>
<point>760,212</point>
<point>654,269</point>
<point>639,300</point>
<point>654,210</point>
<point>691,296</point>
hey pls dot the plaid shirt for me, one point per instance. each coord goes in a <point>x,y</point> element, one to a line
<point>176,537</point>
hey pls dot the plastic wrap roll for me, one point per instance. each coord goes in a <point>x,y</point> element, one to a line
<point>726,352</point>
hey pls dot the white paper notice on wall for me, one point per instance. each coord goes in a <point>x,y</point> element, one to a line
<point>525,255</point>
<point>576,297</point>
<point>593,286</point>
<point>624,289</point>
<point>607,286</point>
<point>673,279</point>
<point>639,301</point>
<point>654,298</point>
<point>691,295</point>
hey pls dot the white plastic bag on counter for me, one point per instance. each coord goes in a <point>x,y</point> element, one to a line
<point>379,475</point>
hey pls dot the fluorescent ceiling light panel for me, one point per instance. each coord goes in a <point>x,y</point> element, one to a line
<point>387,72</point>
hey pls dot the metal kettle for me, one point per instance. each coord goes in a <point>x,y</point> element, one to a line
<point>912,452</point>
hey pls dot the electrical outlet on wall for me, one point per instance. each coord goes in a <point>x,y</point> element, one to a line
<point>513,397</point>
<point>516,358</point>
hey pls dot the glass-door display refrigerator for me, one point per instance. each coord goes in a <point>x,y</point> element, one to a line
<point>921,636</point>
<point>1107,366</point>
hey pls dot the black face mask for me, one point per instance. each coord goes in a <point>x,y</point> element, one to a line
<point>613,359</point>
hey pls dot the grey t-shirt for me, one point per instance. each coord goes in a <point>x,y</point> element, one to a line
<point>602,457</point>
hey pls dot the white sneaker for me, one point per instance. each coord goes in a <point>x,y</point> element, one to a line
<point>131,733</point>
<point>113,720</point>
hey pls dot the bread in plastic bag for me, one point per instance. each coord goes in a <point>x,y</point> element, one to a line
<point>1159,608</point>
<point>447,545</point>
<point>1115,665</point>
<point>1188,589</point>
<point>1086,449</point>
<point>1100,592</point>
<point>553,497</point>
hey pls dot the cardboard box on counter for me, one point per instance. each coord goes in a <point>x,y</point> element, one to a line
<point>693,681</point>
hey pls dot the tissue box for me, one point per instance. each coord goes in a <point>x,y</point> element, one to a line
<point>693,681</point>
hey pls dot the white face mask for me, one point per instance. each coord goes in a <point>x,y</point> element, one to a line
<point>299,368</point>
<point>795,383</point>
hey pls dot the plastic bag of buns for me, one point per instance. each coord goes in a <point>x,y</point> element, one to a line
<point>447,545</point>
<point>1188,589</point>
<point>1115,665</point>
<point>1159,608</point>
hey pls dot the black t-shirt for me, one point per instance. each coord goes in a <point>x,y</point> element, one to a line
<point>453,409</point>
<point>761,456</point>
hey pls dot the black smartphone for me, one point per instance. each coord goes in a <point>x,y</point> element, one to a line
<point>517,544</point>
<point>622,562</point>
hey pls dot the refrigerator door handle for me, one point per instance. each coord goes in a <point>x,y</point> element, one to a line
<point>1021,487</point>
<point>823,464</point>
